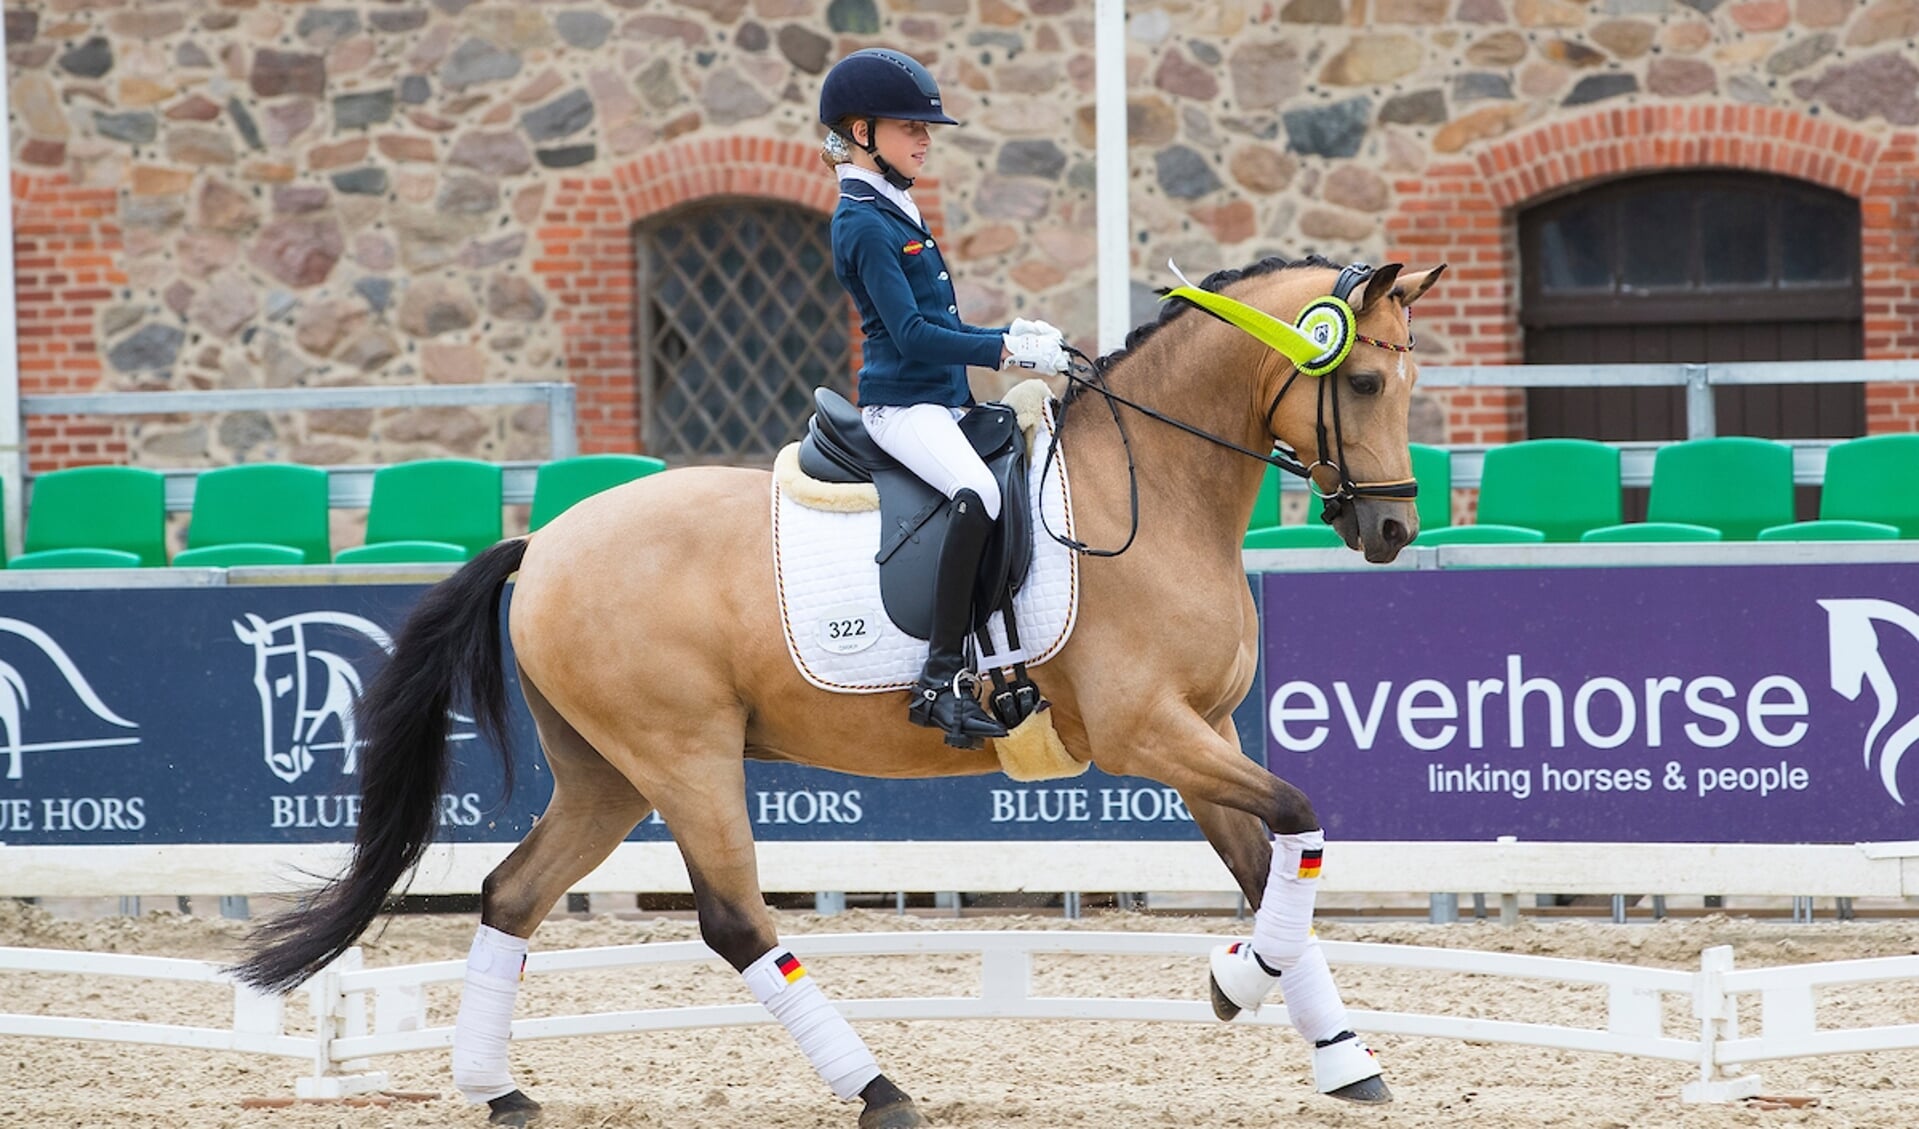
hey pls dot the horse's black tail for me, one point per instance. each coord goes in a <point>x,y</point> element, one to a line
<point>449,648</point>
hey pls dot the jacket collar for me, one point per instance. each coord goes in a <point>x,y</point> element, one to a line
<point>864,193</point>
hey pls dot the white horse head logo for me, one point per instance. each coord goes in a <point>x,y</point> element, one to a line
<point>14,701</point>
<point>1856,662</point>
<point>321,688</point>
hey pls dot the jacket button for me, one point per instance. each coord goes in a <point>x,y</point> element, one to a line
<point>952,309</point>
<point>929,243</point>
<point>942,276</point>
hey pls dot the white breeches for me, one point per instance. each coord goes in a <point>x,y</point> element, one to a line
<point>926,439</point>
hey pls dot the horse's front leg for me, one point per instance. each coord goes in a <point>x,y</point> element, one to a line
<point>1267,834</point>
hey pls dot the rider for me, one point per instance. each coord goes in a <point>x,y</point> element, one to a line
<point>880,106</point>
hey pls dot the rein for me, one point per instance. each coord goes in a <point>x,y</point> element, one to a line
<point>1331,502</point>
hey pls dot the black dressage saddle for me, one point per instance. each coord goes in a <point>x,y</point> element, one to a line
<point>913,515</point>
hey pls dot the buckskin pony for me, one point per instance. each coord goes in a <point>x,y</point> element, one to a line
<point>646,628</point>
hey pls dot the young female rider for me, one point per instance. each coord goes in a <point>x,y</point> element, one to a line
<point>880,106</point>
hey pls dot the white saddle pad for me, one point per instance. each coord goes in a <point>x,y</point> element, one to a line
<point>836,627</point>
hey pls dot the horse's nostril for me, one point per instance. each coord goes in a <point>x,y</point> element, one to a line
<point>1394,533</point>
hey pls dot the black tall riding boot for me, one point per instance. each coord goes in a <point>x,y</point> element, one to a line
<point>937,702</point>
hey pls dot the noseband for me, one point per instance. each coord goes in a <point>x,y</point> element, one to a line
<point>1332,325</point>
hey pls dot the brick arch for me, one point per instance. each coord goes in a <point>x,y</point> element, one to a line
<point>585,252</point>
<point>1462,210</point>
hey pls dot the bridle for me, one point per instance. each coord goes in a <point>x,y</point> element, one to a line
<point>1324,327</point>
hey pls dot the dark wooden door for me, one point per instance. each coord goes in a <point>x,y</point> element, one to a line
<point>1694,268</point>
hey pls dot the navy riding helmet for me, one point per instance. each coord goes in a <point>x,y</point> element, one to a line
<point>880,83</point>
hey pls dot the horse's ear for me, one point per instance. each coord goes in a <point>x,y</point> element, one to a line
<point>255,634</point>
<point>1379,285</point>
<point>1412,286</point>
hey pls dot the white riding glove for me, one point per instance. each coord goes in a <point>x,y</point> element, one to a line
<point>1035,351</point>
<point>1024,326</point>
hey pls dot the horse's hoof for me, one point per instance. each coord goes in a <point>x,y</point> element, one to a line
<point>888,1107</point>
<point>513,1111</point>
<point>897,1115</point>
<point>1366,1091</point>
<point>1223,1007</point>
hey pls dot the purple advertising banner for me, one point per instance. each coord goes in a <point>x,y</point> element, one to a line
<point>1747,704</point>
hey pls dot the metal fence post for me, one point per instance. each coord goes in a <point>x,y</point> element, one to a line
<point>1700,421</point>
<point>562,423</point>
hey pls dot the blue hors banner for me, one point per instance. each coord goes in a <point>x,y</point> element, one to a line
<point>225,715</point>
<point>1748,704</point>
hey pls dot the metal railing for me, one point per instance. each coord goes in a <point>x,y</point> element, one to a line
<point>348,487</point>
<point>1697,379</point>
<point>561,418</point>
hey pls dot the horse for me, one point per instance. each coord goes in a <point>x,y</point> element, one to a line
<point>647,634</point>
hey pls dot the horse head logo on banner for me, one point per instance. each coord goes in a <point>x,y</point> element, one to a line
<point>14,701</point>
<point>306,693</point>
<point>1857,663</point>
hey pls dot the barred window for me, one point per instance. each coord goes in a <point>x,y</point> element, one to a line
<point>740,319</point>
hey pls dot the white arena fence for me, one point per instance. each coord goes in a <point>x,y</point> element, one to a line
<point>361,1013</point>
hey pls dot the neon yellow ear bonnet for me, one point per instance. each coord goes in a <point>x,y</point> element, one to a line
<point>1316,344</point>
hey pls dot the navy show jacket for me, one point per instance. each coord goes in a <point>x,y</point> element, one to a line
<point>917,348</point>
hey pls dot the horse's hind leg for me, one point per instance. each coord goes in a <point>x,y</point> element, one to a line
<point>706,811</point>
<point>592,810</point>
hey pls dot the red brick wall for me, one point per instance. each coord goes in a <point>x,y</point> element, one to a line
<point>66,250</point>
<point>1463,211</point>
<point>586,253</point>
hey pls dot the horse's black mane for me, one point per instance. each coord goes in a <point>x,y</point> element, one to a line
<point>1214,281</point>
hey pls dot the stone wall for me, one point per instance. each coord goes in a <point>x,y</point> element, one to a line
<point>241,193</point>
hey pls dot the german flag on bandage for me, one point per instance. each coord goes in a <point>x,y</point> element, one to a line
<point>790,967</point>
<point>1309,864</point>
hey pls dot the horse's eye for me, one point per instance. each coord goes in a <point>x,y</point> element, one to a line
<point>282,685</point>
<point>1365,383</point>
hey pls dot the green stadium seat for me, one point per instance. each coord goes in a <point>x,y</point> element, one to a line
<point>1561,487</point>
<point>255,503</point>
<point>1650,531</point>
<point>1433,468</point>
<point>1294,537</point>
<point>100,507</point>
<point>1834,530</point>
<point>1478,535</point>
<point>1266,506</point>
<point>403,552</point>
<point>1735,484</point>
<point>239,553</point>
<point>561,483</point>
<point>76,558</point>
<point>1874,479</point>
<point>452,500</point>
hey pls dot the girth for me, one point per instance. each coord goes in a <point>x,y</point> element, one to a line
<point>913,515</point>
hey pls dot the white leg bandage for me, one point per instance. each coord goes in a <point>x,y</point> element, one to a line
<point>480,1034</point>
<point>780,982</point>
<point>1311,997</point>
<point>1283,937</point>
<point>1284,923</point>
